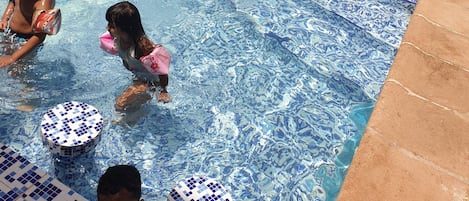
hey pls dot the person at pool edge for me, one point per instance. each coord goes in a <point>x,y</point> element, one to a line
<point>120,183</point>
<point>30,21</point>
<point>148,62</point>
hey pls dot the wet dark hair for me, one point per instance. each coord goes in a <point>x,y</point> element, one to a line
<point>120,177</point>
<point>125,16</point>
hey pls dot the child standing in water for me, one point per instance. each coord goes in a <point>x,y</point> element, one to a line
<point>29,21</point>
<point>148,62</point>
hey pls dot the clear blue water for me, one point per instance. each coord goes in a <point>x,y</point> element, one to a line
<point>270,98</point>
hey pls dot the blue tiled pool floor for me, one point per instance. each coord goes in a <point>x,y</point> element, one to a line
<point>261,90</point>
<point>22,180</point>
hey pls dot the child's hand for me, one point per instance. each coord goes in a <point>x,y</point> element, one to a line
<point>6,60</point>
<point>164,97</point>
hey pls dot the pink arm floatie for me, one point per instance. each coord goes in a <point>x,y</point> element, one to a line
<point>107,43</point>
<point>157,62</point>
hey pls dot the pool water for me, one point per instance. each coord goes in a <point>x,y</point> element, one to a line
<point>270,98</point>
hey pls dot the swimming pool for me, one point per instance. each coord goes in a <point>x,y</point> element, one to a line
<point>262,93</point>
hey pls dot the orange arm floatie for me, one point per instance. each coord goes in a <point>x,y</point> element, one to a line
<point>47,21</point>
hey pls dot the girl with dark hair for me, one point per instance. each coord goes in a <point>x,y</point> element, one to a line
<point>148,62</point>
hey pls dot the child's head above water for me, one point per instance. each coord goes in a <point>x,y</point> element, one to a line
<point>125,23</point>
<point>120,183</point>
<point>125,17</point>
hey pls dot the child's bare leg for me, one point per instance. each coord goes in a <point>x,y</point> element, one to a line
<point>133,97</point>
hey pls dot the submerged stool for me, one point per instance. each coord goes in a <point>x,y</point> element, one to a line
<point>199,188</point>
<point>71,129</point>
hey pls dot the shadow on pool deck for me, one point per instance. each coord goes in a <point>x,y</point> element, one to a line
<point>416,143</point>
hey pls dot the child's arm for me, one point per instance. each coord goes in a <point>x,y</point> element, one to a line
<point>163,82</point>
<point>164,95</point>
<point>32,43</point>
<point>7,14</point>
<point>27,47</point>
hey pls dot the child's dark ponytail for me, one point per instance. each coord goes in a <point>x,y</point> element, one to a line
<point>144,47</point>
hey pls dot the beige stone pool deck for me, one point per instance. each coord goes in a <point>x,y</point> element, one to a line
<point>416,143</point>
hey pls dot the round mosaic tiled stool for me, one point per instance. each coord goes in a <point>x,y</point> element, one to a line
<point>199,188</point>
<point>71,129</point>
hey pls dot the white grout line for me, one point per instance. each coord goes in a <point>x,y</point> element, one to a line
<point>431,164</point>
<point>461,115</point>
<point>440,26</point>
<point>420,158</point>
<point>411,93</point>
<point>435,57</point>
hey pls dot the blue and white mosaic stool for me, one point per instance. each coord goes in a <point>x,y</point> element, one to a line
<point>71,129</point>
<point>199,188</point>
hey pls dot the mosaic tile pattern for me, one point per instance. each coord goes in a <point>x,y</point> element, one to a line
<point>267,88</point>
<point>71,128</point>
<point>343,36</point>
<point>384,19</point>
<point>199,189</point>
<point>21,180</point>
